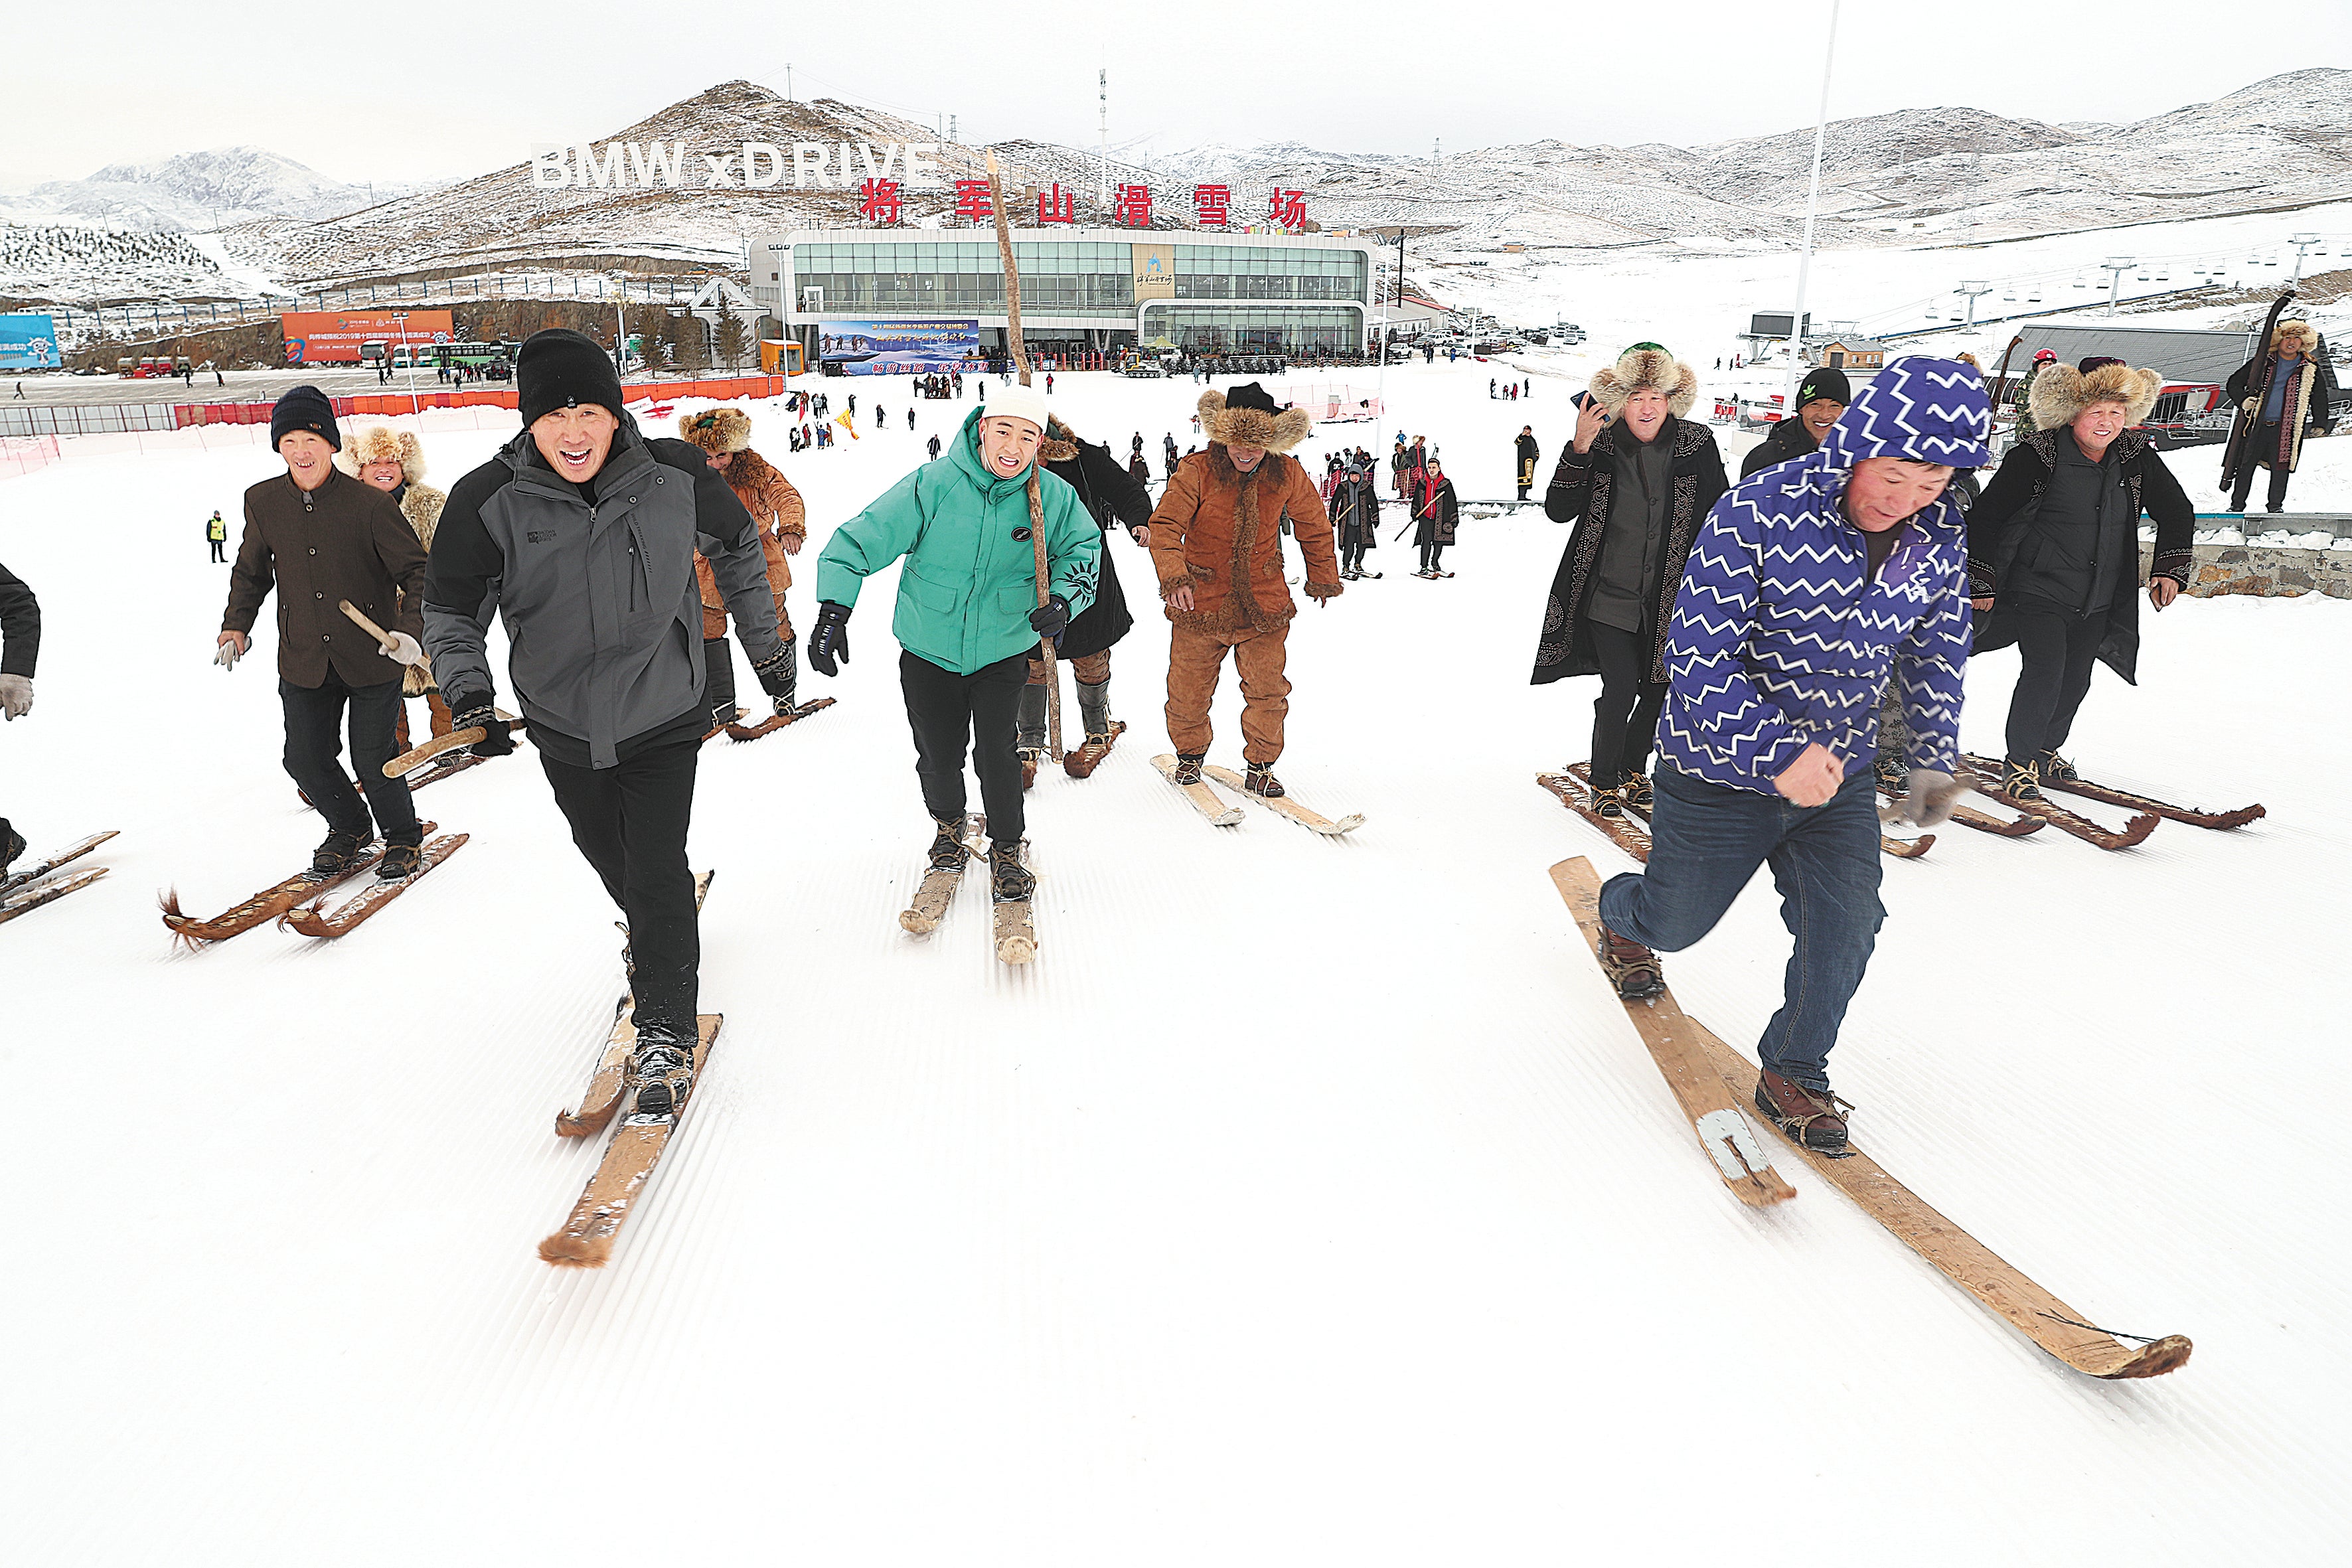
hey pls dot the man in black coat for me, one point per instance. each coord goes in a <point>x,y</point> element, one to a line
<point>1528,452</point>
<point>1821,396</point>
<point>1111,494</point>
<point>20,649</point>
<point>2285,391</point>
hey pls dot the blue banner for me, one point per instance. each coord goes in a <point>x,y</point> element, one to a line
<point>899,347</point>
<point>28,342</point>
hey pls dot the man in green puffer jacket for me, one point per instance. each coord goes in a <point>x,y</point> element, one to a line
<point>968,616</point>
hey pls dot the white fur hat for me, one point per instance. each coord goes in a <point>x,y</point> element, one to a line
<point>1018,402</point>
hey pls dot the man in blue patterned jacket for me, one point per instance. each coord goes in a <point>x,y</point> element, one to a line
<point>1807,583</point>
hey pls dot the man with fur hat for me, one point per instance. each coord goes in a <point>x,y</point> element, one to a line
<point>580,534</point>
<point>724,436</point>
<point>1807,585</point>
<point>2283,394</point>
<point>968,617</point>
<point>320,537</point>
<point>1637,481</point>
<point>2053,553</point>
<point>393,462</point>
<point>1110,494</point>
<point>1821,396</point>
<point>1216,543</point>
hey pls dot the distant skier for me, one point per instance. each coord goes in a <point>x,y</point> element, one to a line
<point>1168,453</point>
<point>393,462</point>
<point>1356,516</point>
<point>318,537</point>
<point>2287,390</point>
<point>1805,585</point>
<point>216,535</point>
<point>2053,553</point>
<point>581,535</point>
<point>910,421</point>
<point>1434,520</point>
<point>1821,396</point>
<point>20,650</point>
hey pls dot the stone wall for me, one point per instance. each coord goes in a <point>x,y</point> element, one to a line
<point>2266,569</point>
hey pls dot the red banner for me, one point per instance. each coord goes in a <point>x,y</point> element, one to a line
<point>333,337</point>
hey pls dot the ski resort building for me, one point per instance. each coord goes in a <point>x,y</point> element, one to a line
<point>1081,289</point>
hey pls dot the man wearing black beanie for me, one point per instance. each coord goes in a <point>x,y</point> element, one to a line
<point>1821,396</point>
<point>580,534</point>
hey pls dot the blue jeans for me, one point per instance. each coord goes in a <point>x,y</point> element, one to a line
<point>1706,842</point>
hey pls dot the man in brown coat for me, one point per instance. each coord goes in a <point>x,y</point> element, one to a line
<point>1216,543</point>
<point>320,537</point>
<point>725,437</point>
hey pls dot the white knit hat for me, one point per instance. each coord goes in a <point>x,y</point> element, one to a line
<point>1017,402</point>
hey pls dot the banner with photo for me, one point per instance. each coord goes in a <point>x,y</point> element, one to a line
<point>899,347</point>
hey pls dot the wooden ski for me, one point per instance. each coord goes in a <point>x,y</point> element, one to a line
<point>268,904</point>
<point>774,722</point>
<point>2065,821</point>
<point>1984,821</point>
<point>1014,922</point>
<point>31,896</point>
<point>1624,832</point>
<point>2112,796</point>
<point>2033,1311</point>
<point>585,1239</point>
<point>610,1078</point>
<point>1283,805</point>
<point>1672,1040</point>
<point>937,889</point>
<point>313,919</point>
<point>67,856</point>
<point>1204,799</point>
<point>1901,848</point>
<point>435,772</point>
<point>408,761</point>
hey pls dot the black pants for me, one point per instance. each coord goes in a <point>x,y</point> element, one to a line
<point>629,822</point>
<point>2058,651</point>
<point>313,755</point>
<point>1352,555</point>
<point>719,680</point>
<point>217,553</point>
<point>1429,555</point>
<point>1625,718</point>
<point>2264,438</point>
<point>944,709</point>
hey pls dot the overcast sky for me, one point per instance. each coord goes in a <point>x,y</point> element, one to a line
<point>446,88</point>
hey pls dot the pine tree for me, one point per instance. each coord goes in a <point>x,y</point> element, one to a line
<point>730,336</point>
<point>691,348</point>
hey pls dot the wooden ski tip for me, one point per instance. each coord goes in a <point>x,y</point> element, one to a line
<point>1016,949</point>
<point>570,1125</point>
<point>2168,1354</point>
<point>567,1251</point>
<point>915,921</point>
<point>2138,829</point>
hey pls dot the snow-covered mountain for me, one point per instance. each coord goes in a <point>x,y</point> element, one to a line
<point>198,192</point>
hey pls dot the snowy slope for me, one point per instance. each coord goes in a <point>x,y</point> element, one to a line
<point>1306,1202</point>
<point>200,191</point>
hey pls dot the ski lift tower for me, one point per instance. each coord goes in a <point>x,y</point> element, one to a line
<point>2114,266</point>
<point>2302,242</point>
<point>1975,289</point>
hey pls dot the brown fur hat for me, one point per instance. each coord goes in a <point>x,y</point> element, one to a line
<point>1251,426</point>
<point>716,430</point>
<point>1061,442</point>
<point>2061,391</point>
<point>383,444</point>
<point>2293,326</point>
<point>1645,370</point>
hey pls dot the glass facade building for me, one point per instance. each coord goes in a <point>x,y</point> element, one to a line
<point>1103,289</point>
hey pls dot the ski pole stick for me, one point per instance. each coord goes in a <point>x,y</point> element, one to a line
<point>1036,498</point>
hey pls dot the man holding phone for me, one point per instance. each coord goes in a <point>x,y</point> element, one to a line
<point>1808,583</point>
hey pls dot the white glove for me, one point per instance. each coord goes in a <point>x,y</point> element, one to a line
<point>401,649</point>
<point>1927,800</point>
<point>15,695</point>
<point>227,655</point>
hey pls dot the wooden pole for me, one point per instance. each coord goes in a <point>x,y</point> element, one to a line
<point>1036,498</point>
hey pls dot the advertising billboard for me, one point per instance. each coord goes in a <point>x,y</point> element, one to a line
<point>28,342</point>
<point>333,337</point>
<point>899,347</point>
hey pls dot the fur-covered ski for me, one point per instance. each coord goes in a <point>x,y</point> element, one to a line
<point>65,856</point>
<point>314,921</point>
<point>268,904</point>
<point>1624,832</point>
<point>2065,821</point>
<point>1710,1104</point>
<point>937,889</point>
<point>1984,821</point>
<point>1204,800</point>
<point>1284,804</point>
<point>585,1240</point>
<point>1015,924</point>
<point>611,1076</point>
<point>1082,762</point>
<point>1901,848</point>
<point>2112,796</point>
<point>26,896</point>
<point>2033,1311</point>
<point>770,725</point>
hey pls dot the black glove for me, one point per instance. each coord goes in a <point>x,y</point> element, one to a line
<point>474,710</point>
<point>829,641</point>
<point>1051,618</point>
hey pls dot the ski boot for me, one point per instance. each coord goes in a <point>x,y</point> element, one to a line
<point>1632,968</point>
<point>1188,767</point>
<point>1260,781</point>
<point>1031,735</point>
<point>1808,1117</point>
<point>399,860</point>
<point>2022,781</point>
<point>1609,799</point>
<point>1890,775</point>
<point>12,845</point>
<point>1102,731</point>
<point>1009,881</point>
<point>948,851</point>
<point>1635,791</point>
<point>662,1067</point>
<point>335,854</point>
<point>2056,768</point>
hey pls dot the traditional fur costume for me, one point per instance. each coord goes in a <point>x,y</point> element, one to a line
<point>2061,392</point>
<point>2309,405</point>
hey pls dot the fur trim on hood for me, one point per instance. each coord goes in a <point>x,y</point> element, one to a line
<point>716,430</point>
<point>2293,326</point>
<point>1252,427</point>
<point>1061,442</point>
<point>1646,370</point>
<point>2061,392</point>
<point>383,444</point>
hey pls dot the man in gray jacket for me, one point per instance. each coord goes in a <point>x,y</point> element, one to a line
<point>582,533</point>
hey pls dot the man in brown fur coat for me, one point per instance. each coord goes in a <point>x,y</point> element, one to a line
<point>393,462</point>
<point>1217,543</point>
<point>725,437</point>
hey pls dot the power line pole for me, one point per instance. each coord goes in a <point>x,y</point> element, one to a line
<point>1813,211</point>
